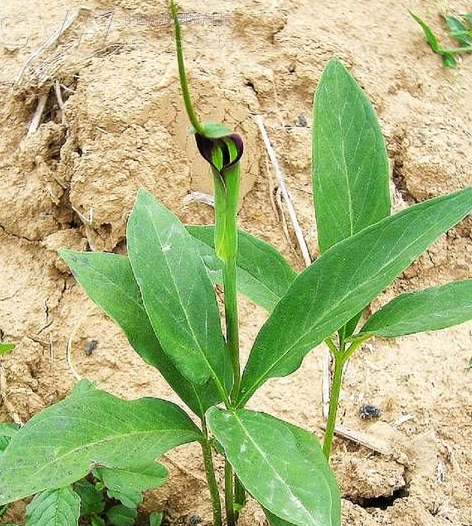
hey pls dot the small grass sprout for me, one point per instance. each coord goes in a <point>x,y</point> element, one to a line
<point>460,27</point>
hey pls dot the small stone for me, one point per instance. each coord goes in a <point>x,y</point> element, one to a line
<point>90,347</point>
<point>368,411</point>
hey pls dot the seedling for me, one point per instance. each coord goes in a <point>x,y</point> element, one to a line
<point>163,298</point>
<point>460,29</point>
<point>6,348</point>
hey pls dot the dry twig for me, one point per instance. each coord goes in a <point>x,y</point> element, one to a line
<point>374,443</point>
<point>285,193</point>
<point>50,41</point>
<point>34,125</point>
<point>6,402</point>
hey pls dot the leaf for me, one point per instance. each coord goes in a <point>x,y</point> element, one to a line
<point>280,465</point>
<point>177,293</point>
<point>109,281</point>
<point>276,521</point>
<point>343,281</point>
<point>213,129</point>
<point>97,521</point>
<point>121,516</point>
<point>8,430</point>
<point>6,348</point>
<point>60,507</point>
<point>428,33</point>
<point>458,31</point>
<point>429,310</point>
<point>89,429</point>
<point>127,485</point>
<point>350,162</point>
<point>263,274</point>
<point>91,499</point>
<point>448,59</point>
<point>155,519</point>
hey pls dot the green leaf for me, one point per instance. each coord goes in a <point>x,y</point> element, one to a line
<point>6,348</point>
<point>448,59</point>
<point>89,429</point>
<point>428,33</point>
<point>121,516</point>
<point>350,162</point>
<point>155,519</point>
<point>280,465</point>
<point>127,485</point>
<point>97,521</point>
<point>263,274</point>
<point>458,31</point>
<point>91,499</point>
<point>276,521</point>
<point>429,310</point>
<point>177,293</point>
<point>8,429</point>
<point>213,130</point>
<point>343,281</point>
<point>109,281</point>
<point>60,507</point>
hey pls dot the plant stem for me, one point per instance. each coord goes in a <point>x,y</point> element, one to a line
<point>211,478</point>
<point>182,74</point>
<point>229,495</point>
<point>339,362</point>
<point>231,317</point>
<point>239,496</point>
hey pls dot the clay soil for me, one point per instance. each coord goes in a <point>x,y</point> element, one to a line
<point>72,181</point>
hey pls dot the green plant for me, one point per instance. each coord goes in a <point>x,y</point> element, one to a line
<point>104,498</point>
<point>460,27</point>
<point>6,348</point>
<point>163,298</point>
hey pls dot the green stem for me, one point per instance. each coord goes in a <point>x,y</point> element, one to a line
<point>229,495</point>
<point>231,317</point>
<point>239,496</point>
<point>467,49</point>
<point>182,74</point>
<point>211,478</point>
<point>339,362</point>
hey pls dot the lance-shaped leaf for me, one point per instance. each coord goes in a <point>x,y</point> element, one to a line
<point>109,282</point>
<point>177,293</point>
<point>428,310</point>
<point>343,281</point>
<point>448,58</point>
<point>264,275</point>
<point>459,31</point>
<point>89,429</point>
<point>280,465</point>
<point>127,485</point>
<point>60,507</point>
<point>350,163</point>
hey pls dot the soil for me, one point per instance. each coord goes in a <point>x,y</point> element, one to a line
<point>71,183</point>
